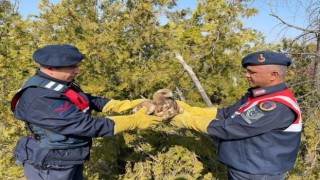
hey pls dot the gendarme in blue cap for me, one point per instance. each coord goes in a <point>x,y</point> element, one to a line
<point>264,58</point>
<point>58,55</point>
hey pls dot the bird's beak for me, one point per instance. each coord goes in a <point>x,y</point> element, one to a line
<point>170,96</point>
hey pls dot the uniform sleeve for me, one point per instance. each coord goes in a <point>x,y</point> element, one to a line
<point>223,113</point>
<point>252,122</point>
<point>97,103</point>
<point>61,116</point>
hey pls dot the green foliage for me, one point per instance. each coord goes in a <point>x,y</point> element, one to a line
<point>16,65</point>
<point>130,53</point>
<point>212,41</point>
<point>160,153</point>
<point>301,80</point>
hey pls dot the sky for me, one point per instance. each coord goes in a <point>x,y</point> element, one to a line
<point>262,22</point>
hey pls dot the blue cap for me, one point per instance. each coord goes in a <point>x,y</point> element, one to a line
<point>264,58</point>
<point>58,55</point>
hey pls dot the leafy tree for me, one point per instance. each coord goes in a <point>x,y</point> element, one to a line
<point>15,64</point>
<point>131,53</point>
<point>212,41</point>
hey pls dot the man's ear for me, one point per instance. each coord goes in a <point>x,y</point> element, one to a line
<point>274,75</point>
<point>49,70</point>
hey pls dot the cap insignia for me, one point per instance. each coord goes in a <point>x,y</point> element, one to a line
<point>261,58</point>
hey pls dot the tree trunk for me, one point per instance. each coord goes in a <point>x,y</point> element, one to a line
<point>194,79</point>
<point>317,67</point>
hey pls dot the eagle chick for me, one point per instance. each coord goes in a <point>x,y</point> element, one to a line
<point>162,105</point>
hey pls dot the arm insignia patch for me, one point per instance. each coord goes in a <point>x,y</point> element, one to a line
<point>252,115</point>
<point>267,106</point>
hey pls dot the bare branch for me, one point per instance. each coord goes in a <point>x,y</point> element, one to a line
<point>307,94</point>
<point>300,36</point>
<point>182,98</point>
<point>194,79</point>
<point>293,26</point>
<point>313,54</point>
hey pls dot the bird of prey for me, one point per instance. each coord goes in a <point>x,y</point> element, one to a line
<point>162,105</point>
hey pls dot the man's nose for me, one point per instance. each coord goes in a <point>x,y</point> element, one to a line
<point>77,70</point>
<point>246,74</point>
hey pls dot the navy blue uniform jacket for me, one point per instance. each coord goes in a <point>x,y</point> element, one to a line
<point>36,108</point>
<point>257,144</point>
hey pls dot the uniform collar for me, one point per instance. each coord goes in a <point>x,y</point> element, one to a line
<point>42,74</point>
<point>256,92</point>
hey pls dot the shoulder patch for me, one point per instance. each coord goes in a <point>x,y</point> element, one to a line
<point>62,107</point>
<point>252,115</point>
<point>267,106</point>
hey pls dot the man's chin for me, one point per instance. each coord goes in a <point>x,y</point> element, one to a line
<point>71,79</point>
<point>252,85</point>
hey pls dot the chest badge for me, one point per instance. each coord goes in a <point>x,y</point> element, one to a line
<point>267,106</point>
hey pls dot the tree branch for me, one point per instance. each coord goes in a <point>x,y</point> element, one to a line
<point>313,54</point>
<point>194,79</point>
<point>293,26</point>
<point>182,98</point>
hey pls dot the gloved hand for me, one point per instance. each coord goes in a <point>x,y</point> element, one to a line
<point>138,120</point>
<point>119,106</point>
<point>188,121</point>
<point>194,117</point>
<point>210,112</point>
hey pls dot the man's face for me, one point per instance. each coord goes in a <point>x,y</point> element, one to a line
<point>258,76</point>
<point>66,73</point>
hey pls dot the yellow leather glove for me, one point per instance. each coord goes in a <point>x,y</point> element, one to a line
<point>188,121</point>
<point>210,112</point>
<point>119,106</point>
<point>194,117</point>
<point>138,120</point>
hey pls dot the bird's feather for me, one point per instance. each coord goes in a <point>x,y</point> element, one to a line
<point>162,105</point>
